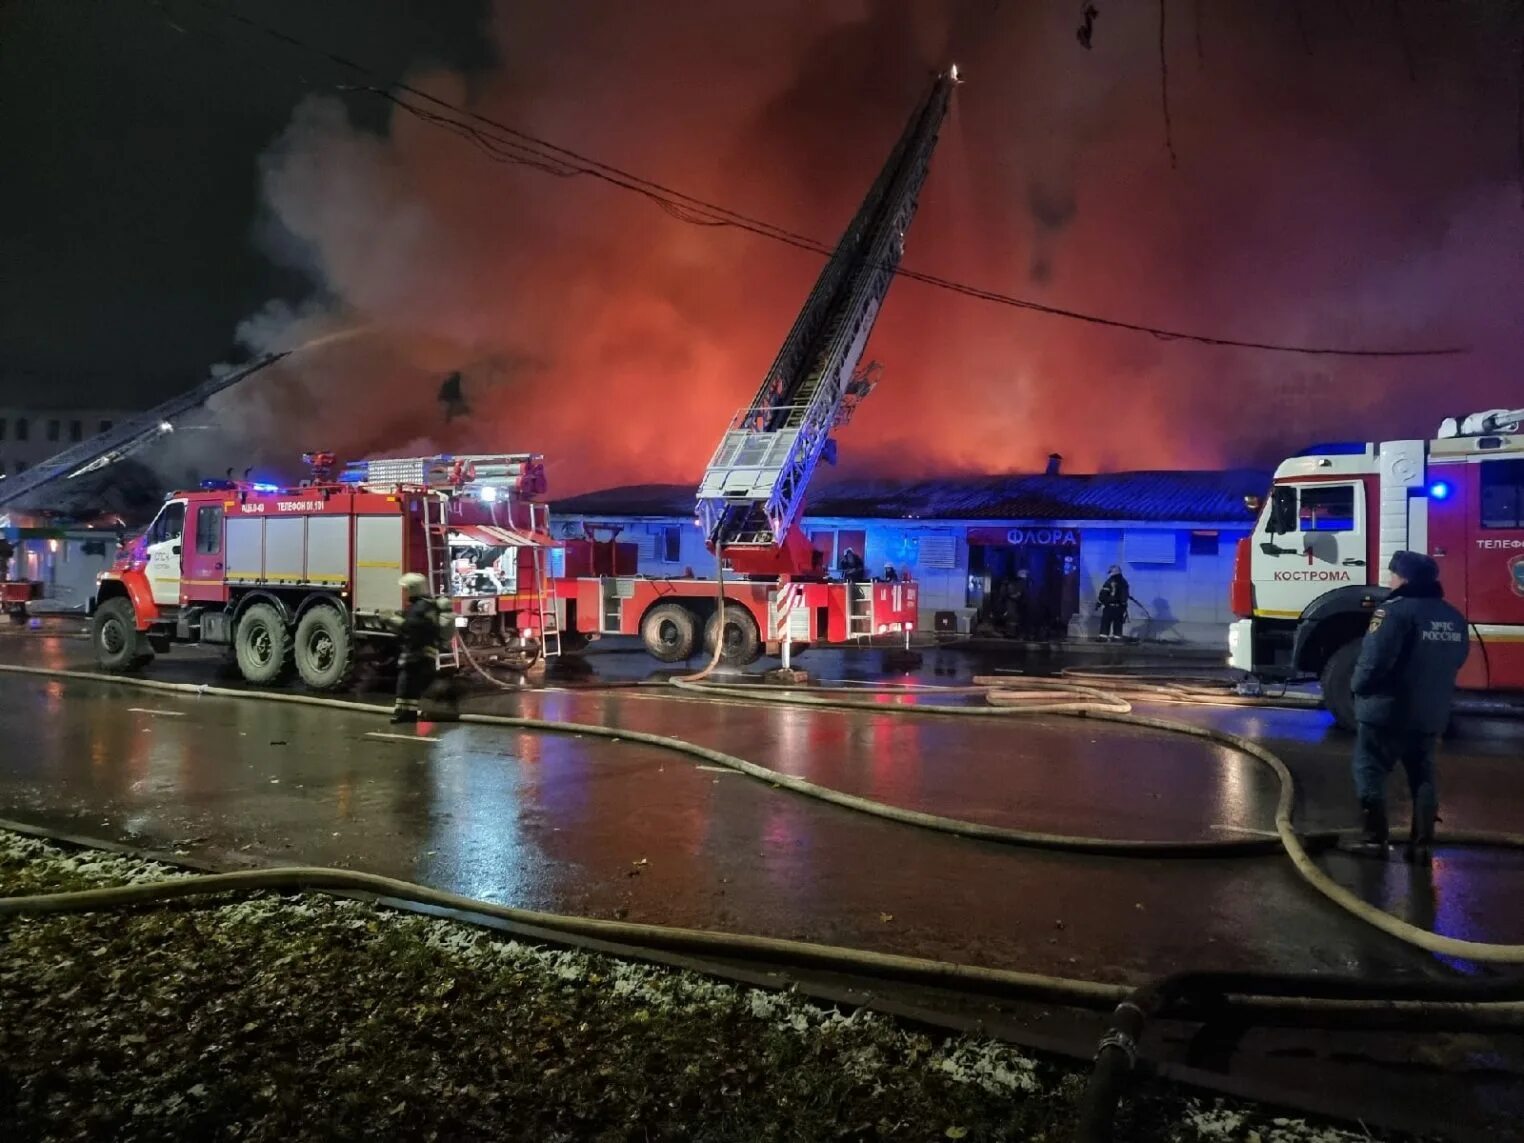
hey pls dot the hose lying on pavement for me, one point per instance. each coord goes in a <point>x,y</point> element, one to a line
<point>1100,708</point>
<point>1477,1008</point>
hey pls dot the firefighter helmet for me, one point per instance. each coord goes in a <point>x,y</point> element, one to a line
<point>414,584</point>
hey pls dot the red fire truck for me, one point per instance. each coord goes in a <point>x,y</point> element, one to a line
<point>309,573</point>
<point>1309,576</point>
<point>306,576</point>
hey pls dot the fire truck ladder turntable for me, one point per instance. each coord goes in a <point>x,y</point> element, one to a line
<point>751,498</point>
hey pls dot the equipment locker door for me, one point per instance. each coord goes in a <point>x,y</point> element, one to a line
<point>202,559</point>
<point>1495,568</point>
<point>163,551</point>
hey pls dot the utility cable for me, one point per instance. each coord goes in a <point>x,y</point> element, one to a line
<point>525,149</point>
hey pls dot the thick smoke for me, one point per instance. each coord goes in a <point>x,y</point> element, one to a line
<point>1321,197</point>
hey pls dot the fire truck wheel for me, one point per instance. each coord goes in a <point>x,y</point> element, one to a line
<point>325,649</point>
<point>263,644</point>
<point>669,632</point>
<point>743,644</point>
<point>114,633</point>
<point>1338,684</point>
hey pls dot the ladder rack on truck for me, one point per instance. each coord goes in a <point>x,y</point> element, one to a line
<point>751,498</point>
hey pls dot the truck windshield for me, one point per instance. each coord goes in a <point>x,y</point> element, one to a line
<point>170,523</point>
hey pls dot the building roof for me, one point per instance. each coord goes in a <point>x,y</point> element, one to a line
<point>1213,497</point>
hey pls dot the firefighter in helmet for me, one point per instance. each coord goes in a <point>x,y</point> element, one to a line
<point>1404,683</point>
<point>421,636</point>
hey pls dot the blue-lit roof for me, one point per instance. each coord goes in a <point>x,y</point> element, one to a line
<point>1187,497</point>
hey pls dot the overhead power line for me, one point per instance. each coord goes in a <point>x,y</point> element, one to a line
<point>503,143</point>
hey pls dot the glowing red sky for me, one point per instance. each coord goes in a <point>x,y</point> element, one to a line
<point>1320,196</point>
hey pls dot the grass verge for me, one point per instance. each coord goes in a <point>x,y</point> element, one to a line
<point>281,1018</point>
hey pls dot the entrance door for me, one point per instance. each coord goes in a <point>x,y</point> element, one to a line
<point>163,551</point>
<point>204,581</point>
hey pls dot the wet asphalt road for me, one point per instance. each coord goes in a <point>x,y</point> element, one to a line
<point>580,825</point>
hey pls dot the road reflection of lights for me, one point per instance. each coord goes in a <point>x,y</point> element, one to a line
<point>479,849</point>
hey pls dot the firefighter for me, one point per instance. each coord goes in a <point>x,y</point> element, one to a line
<point>890,575</point>
<point>420,636</point>
<point>1112,602</point>
<point>7,550</point>
<point>852,568</point>
<point>1404,683</point>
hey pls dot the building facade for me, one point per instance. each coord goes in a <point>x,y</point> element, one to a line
<point>32,434</point>
<point>1172,533</point>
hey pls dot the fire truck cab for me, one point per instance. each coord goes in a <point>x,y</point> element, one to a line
<point>1307,579</point>
<point>306,577</point>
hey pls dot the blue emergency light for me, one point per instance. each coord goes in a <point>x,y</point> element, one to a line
<point>1439,490</point>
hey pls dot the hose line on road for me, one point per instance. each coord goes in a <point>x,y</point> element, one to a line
<point>1440,1005</point>
<point>1088,703</point>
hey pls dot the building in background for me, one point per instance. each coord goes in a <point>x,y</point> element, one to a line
<point>32,433</point>
<point>1173,533</point>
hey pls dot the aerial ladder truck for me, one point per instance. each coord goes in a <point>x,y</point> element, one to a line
<point>751,498</point>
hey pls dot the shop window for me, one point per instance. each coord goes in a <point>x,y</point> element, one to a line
<point>1503,494</point>
<point>2,428</point>
<point>1329,508</point>
<point>76,431</point>
<point>1204,543</point>
<point>23,429</point>
<point>53,430</point>
<point>669,543</point>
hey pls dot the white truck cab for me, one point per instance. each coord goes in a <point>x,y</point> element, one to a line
<point>1307,579</point>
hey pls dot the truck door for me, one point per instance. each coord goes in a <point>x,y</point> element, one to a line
<point>1310,539</point>
<point>163,551</point>
<point>201,559</point>
<point>1495,569</point>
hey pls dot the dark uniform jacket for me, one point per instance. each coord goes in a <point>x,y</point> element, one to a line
<point>1115,592</point>
<point>421,635</point>
<point>1413,649</point>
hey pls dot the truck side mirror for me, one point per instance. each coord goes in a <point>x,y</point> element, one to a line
<point>1282,518</point>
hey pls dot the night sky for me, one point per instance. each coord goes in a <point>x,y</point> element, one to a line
<point>130,206</point>
<point>181,190</point>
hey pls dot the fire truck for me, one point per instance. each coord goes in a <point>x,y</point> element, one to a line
<point>1307,579</point>
<point>751,497</point>
<point>306,577</point>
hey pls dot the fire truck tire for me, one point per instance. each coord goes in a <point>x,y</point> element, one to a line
<point>670,632</point>
<point>743,642</point>
<point>263,644</point>
<point>114,633</point>
<point>325,649</point>
<point>1337,681</point>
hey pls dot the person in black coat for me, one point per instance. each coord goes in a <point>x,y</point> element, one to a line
<point>1404,684</point>
<point>852,569</point>
<point>1112,601</point>
<point>420,638</point>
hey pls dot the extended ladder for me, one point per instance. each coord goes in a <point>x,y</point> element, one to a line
<point>436,553</point>
<point>545,601</point>
<point>859,610</point>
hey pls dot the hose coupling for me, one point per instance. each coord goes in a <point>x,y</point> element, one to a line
<point>1121,1041</point>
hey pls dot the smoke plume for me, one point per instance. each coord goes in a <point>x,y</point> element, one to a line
<point>1322,196</point>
